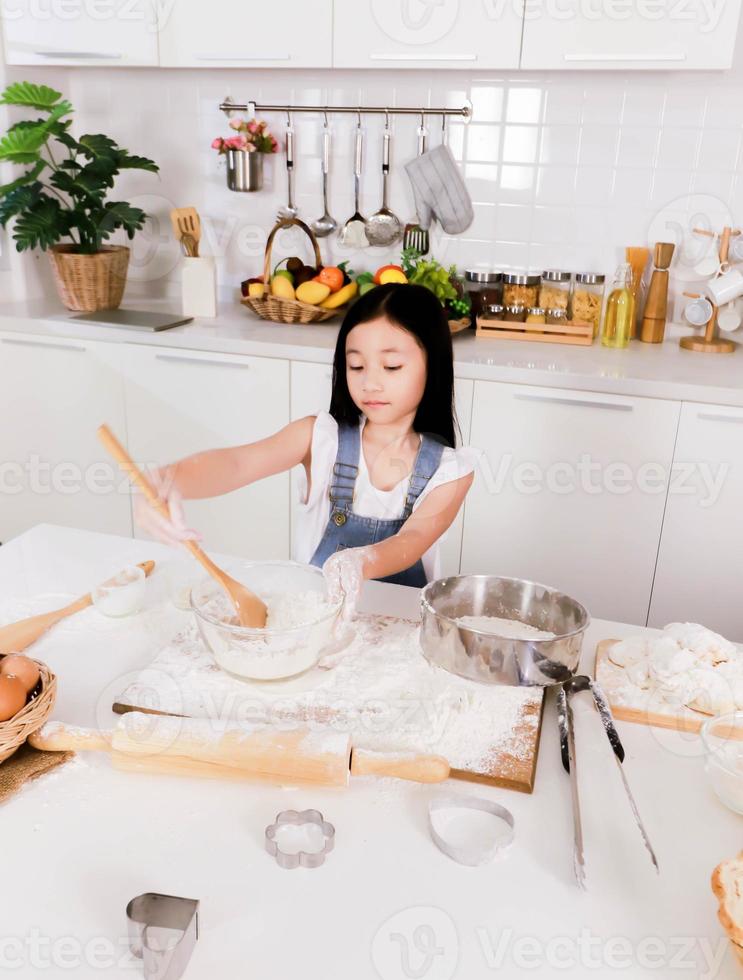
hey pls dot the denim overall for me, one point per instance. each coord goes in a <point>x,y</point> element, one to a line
<point>346,529</point>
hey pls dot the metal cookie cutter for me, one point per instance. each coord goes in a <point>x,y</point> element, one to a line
<point>471,853</point>
<point>304,859</point>
<point>154,920</point>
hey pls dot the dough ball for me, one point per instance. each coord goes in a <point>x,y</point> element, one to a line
<point>628,651</point>
<point>708,646</point>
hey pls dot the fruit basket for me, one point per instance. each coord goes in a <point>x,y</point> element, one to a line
<point>278,308</point>
<point>15,731</point>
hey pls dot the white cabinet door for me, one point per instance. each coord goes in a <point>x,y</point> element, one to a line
<point>296,34</point>
<point>80,32</point>
<point>53,395</point>
<point>700,565</point>
<point>630,34</point>
<point>311,384</point>
<point>572,494</point>
<point>180,402</point>
<point>472,34</point>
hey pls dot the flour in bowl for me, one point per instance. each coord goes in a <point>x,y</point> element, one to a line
<point>508,629</point>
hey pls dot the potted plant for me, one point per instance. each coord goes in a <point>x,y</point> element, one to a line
<point>244,152</point>
<point>60,203</point>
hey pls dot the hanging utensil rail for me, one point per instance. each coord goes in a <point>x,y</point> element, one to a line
<point>229,106</point>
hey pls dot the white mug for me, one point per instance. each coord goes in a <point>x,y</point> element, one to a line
<point>698,311</point>
<point>726,288</point>
<point>729,318</point>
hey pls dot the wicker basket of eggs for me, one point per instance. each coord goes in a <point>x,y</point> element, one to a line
<point>27,693</point>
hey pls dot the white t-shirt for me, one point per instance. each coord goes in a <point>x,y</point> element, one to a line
<point>313,512</point>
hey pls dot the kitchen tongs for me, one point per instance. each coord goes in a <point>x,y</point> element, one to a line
<point>567,748</point>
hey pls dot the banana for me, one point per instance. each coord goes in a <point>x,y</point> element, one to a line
<point>341,297</point>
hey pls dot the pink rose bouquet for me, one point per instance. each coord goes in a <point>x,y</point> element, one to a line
<point>252,136</point>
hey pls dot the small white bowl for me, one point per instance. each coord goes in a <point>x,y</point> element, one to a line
<point>722,738</point>
<point>122,594</point>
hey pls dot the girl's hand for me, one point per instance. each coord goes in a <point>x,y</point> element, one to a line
<point>172,531</point>
<point>344,573</point>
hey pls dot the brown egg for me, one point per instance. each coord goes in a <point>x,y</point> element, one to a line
<point>16,665</point>
<point>12,696</point>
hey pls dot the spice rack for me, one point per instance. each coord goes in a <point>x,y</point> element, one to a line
<point>570,332</point>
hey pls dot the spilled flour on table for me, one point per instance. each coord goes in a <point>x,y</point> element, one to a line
<point>382,691</point>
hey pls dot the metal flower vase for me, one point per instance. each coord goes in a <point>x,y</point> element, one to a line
<point>244,170</point>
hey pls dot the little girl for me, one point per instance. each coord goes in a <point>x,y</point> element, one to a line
<point>382,480</point>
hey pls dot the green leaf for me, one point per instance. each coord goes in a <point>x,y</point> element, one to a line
<point>119,214</point>
<point>128,161</point>
<point>27,178</point>
<point>17,200</point>
<point>97,145</point>
<point>23,145</point>
<point>30,95</point>
<point>60,134</point>
<point>41,225</point>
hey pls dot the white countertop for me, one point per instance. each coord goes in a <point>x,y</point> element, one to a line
<point>655,371</point>
<point>80,843</point>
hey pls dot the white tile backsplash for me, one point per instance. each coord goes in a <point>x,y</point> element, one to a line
<point>564,168</point>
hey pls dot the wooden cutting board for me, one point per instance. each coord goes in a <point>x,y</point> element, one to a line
<point>659,714</point>
<point>509,763</point>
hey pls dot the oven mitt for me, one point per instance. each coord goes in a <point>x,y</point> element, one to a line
<point>439,191</point>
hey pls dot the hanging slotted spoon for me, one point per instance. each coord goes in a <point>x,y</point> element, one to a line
<point>251,611</point>
<point>414,236</point>
<point>384,227</point>
<point>353,233</point>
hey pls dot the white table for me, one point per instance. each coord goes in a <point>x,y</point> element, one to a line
<point>78,844</point>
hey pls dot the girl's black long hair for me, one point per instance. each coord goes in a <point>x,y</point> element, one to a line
<point>415,309</point>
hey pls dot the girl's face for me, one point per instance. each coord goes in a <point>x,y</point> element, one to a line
<point>385,370</point>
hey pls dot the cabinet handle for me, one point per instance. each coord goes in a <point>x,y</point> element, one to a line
<point>582,402</point>
<point>41,343</point>
<point>422,56</point>
<point>211,362</point>
<point>243,57</point>
<point>80,55</point>
<point>712,417</point>
<point>633,56</point>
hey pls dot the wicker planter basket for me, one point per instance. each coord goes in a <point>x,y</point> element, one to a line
<point>288,310</point>
<point>90,282</point>
<point>13,733</point>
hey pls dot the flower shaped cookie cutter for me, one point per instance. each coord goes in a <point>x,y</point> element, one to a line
<point>304,859</point>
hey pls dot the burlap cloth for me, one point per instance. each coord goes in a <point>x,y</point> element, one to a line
<point>26,764</point>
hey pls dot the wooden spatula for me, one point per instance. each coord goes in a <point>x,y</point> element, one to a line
<point>16,637</point>
<point>199,747</point>
<point>251,611</point>
<point>187,228</point>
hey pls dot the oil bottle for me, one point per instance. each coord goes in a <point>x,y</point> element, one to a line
<point>619,317</point>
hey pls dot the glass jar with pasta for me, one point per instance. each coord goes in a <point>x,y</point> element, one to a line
<point>520,289</point>
<point>588,299</point>
<point>554,293</point>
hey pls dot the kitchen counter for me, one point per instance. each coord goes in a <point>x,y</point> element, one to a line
<point>387,904</point>
<point>655,371</point>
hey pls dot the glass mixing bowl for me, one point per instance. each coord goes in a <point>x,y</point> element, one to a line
<point>722,738</point>
<point>302,627</point>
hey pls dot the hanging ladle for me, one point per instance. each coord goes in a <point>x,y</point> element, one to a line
<point>327,224</point>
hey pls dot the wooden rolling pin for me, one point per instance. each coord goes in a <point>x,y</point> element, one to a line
<point>199,747</point>
<point>16,637</point>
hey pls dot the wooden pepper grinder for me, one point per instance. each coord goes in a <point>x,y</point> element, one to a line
<point>653,326</point>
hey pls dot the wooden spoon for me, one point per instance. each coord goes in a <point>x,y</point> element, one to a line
<point>186,222</point>
<point>251,611</point>
<point>16,637</point>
